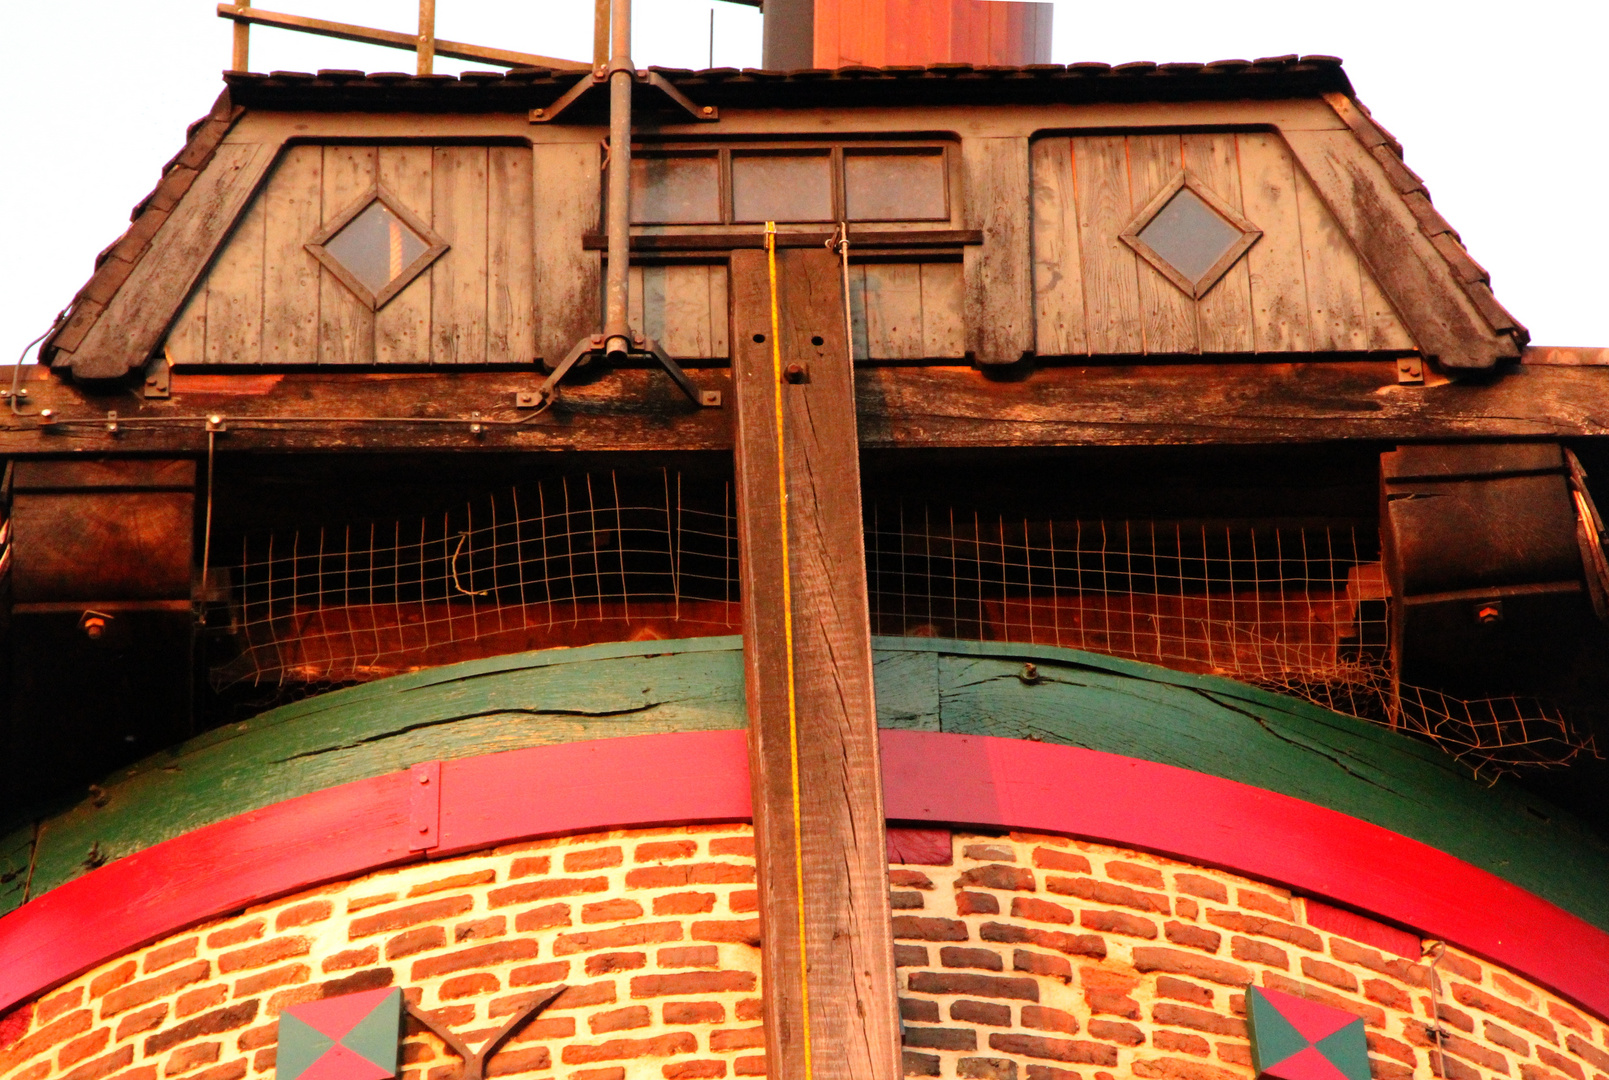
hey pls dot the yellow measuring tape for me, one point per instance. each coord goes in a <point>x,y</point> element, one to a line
<point>787,639</point>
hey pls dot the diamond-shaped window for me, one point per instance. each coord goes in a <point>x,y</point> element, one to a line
<point>376,247</point>
<point>1190,235</point>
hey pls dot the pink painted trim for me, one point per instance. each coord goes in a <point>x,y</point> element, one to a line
<point>349,830</point>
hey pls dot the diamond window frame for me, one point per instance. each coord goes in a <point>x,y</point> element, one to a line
<point>1249,235</point>
<point>435,248</point>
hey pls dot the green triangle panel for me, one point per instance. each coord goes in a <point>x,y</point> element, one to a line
<point>1293,1038</point>
<point>376,1036</point>
<point>300,1045</point>
<point>352,1037</point>
<point>1348,1050</point>
<point>1273,1038</point>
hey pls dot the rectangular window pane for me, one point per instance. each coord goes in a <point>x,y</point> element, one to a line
<point>782,187</point>
<point>893,185</point>
<point>675,189</point>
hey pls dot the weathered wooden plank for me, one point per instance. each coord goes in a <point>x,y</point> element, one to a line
<point>1278,275</point>
<point>510,261</point>
<point>1223,315</point>
<point>1111,284</point>
<point>827,949</point>
<point>893,305</point>
<point>689,311</point>
<point>1386,331</point>
<point>294,203</point>
<point>1334,292</point>
<point>1167,315</point>
<point>999,273</point>
<point>1412,273</point>
<point>1058,278</point>
<point>235,293</point>
<point>720,310</point>
<point>567,280</point>
<point>402,327</point>
<point>857,312</point>
<point>345,322</point>
<point>187,337</point>
<point>943,328</point>
<point>458,286</point>
<point>132,326</point>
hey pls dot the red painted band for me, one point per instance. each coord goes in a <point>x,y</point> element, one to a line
<point>702,776</point>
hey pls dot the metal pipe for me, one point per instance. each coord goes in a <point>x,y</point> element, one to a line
<point>615,330</point>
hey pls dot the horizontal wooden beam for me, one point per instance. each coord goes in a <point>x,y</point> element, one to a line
<point>391,39</point>
<point>732,241</point>
<point>897,407</point>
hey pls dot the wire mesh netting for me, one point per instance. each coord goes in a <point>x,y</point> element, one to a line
<point>1301,610</point>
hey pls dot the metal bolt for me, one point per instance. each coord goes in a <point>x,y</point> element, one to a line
<point>1490,614</point>
<point>111,422</point>
<point>94,627</point>
<point>708,110</point>
<point>1029,674</point>
<point>424,778</point>
<point>23,392</point>
<point>539,112</point>
<point>794,373</point>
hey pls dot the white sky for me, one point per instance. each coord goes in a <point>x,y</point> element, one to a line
<point>1501,108</point>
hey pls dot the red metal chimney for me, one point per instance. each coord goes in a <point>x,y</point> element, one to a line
<point>877,33</point>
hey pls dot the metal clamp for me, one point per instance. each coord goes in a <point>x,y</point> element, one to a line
<point>600,77</point>
<point>594,346</point>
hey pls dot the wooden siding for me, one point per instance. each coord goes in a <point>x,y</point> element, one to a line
<point>266,299</point>
<point>907,311</point>
<point>1301,287</point>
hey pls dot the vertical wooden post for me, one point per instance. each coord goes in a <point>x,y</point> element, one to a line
<point>830,990</point>
<point>242,58</point>
<point>427,36</point>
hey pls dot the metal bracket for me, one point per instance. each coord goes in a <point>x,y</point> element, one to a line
<point>1411,371</point>
<point>600,77</point>
<point>158,379</point>
<point>593,346</point>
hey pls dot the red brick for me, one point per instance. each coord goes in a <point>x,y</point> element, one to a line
<point>743,900</point>
<point>230,1019</point>
<point>530,867</point>
<point>1043,1019</point>
<point>1470,1050</point>
<point>539,974</point>
<point>693,1070</point>
<point>990,852</point>
<point>1072,1050</point>
<point>234,935</point>
<point>576,997</point>
<point>106,1065</point>
<point>47,1010</point>
<point>997,876</point>
<point>352,958</point>
<point>617,938</point>
<point>691,982</point>
<point>1587,1052</point>
<point>1240,1054</point>
<point>1174,962</point>
<point>200,999</point>
<point>981,1012</point>
<point>1401,970</point>
<point>1070,944</point>
<point>269,980</point>
<point>548,1027</point>
<point>1259,952</point>
<point>1051,859</point>
<point>709,873</point>
<point>1052,967</point>
<point>1112,1003</point>
<point>1513,989</point>
<point>1268,904</point>
<point>1135,874</point>
<point>411,915</point>
<point>148,990</point>
<point>536,1059</point>
<point>1371,1016</point>
<point>363,903</point>
<point>1458,965</point>
<point>905,900</point>
<point>1175,1069</point>
<point>457,881</point>
<point>1047,1072</point>
<point>606,963</point>
<point>633,1016</point>
<point>234,1070</point>
<point>755,1066</point>
<point>476,956</point>
<point>679,1042</point>
<point>592,859</point>
<point>168,955</point>
<point>940,1038</point>
<point>987,959</point>
<point>701,1012</point>
<point>542,918</point>
<point>611,911</point>
<point>917,1064</point>
<point>1116,1031</point>
<point>41,1069</point>
<point>1179,990</point>
<point>993,986</point>
<point>1198,1019</point>
<point>1536,1072</point>
<point>258,1037</point>
<point>1186,908</point>
<point>908,878</point>
<point>1379,1044</point>
<point>1117,922</point>
<point>108,981</point>
<point>1507,1039</point>
<point>189,1057</point>
<point>1518,1017</point>
<point>413,942</point>
<point>268,952</point>
<point>462,986</point>
<point>304,914</point>
<point>750,1038</point>
<point>599,1074</point>
<point>737,931</point>
<point>1105,892</point>
<point>661,850</point>
<point>976,903</point>
<point>1030,907</point>
<point>910,955</point>
<point>1451,1068</point>
<point>690,956</point>
<point>1569,1018</point>
<point>553,888</point>
<point>733,845</point>
<point>686,903</point>
<point>83,1047</point>
<point>1261,927</point>
<point>1194,937</point>
<point>144,1020</point>
<point>1555,1060</point>
<point>1180,1042</point>
<point>1338,977</point>
<point>1390,995</point>
<point>480,929</point>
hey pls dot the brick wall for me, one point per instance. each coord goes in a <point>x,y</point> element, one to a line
<point>1021,958</point>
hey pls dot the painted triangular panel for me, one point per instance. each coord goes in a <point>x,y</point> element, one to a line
<point>299,1047</point>
<point>1309,1064</point>
<point>1313,1020</point>
<point>339,1063</point>
<point>1349,1050</point>
<point>1273,1038</point>
<point>375,1036</point>
<point>338,1015</point>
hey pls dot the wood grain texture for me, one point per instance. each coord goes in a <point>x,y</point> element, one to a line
<point>510,259</point>
<point>1168,316</point>
<point>568,279</point>
<point>1058,277</point>
<point>235,293</point>
<point>1111,283</point>
<point>345,322</point>
<point>1276,262</point>
<point>458,330</point>
<point>999,302</point>
<point>893,306</point>
<point>1386,332</point>
<point>294,203</point>
<point>1335,312</point>
<point>943,326</point>
<point>402,326</point>
<point>132,326</point>
<point>814,541</point>
<point>187,337</point>
<point>1223,315</point>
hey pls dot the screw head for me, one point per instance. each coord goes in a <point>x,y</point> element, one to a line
<point>794,373</point>
<point>707,110</point>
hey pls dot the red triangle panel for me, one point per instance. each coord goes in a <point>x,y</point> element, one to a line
<point>1307,1064</point>
<point>334,1017</point>
<point>1312,1020</point>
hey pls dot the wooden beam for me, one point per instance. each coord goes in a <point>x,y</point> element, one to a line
<point>240,60</point>
<point>457,50</point>
<point>425,45</point>
<point>830,1000</point>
